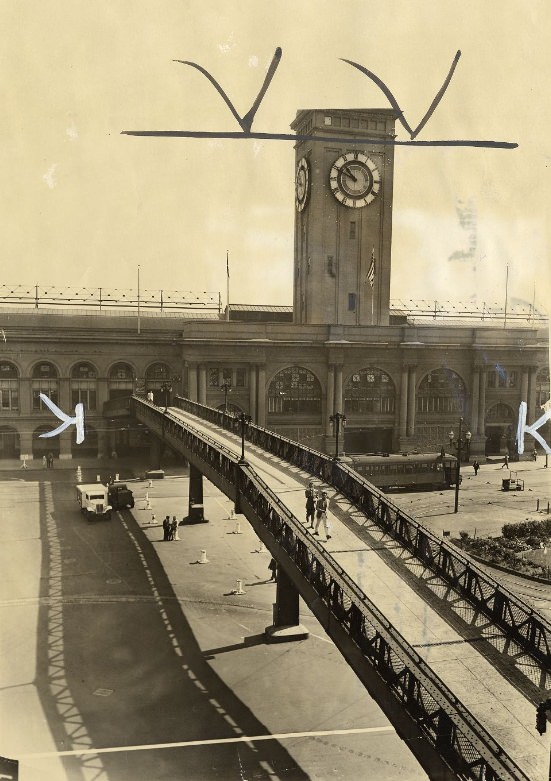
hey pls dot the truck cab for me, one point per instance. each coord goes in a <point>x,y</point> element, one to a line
<point>120,496</point>
<point>93,500</point>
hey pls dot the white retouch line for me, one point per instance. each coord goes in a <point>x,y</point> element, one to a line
<point>221,741</point>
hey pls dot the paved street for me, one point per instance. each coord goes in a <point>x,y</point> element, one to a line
<point>124,659</point>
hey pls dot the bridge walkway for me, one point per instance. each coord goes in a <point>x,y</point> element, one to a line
<point>507,714</point>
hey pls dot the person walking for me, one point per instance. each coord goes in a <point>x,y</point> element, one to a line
<point>50,460</point>
<point>166,528</point>
<point>535,455</point>
<point>505,461</point>
<point>311,496</point>
<point>44,462</point>
<point>321,515</point>
<point>272,566</point>
<point>476,467</point>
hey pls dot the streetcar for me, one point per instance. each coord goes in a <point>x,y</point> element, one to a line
<point>415,470</point>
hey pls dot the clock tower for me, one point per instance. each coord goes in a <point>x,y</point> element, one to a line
<point>343,216</point>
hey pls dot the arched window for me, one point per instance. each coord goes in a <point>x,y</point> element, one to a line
<point>9,386</point>
<point>500,413</point>
<point>293,391</point>
<point>369,390</point>
<point>121,380</point>
<point>441,391</point>
<point>44,380</point>
<point>83,385</point>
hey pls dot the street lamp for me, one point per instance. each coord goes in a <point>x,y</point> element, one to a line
<point>336,420</point>
<point>166,388</point>
<point>459,443</point>
<point>244,421</point>
<point>226,387</point>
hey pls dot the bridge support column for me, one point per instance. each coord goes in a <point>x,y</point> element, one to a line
<point>196,512</point>
<point>286,626</point>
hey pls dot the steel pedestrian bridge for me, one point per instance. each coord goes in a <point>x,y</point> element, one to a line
<point>456,661</point>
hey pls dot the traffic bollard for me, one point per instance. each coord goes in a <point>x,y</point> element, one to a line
<point>239,589</point>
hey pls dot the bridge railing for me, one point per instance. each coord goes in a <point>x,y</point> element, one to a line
<point>526,626</point>
<point>450,728</point>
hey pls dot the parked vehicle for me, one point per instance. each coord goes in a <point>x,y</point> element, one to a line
<point>425,470</point>
<point>120,496</point>
<point>93,500</point>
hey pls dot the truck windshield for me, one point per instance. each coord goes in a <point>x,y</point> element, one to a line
<point>96,496</point>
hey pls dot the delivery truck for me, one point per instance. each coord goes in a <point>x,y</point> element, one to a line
<point>93,500</point>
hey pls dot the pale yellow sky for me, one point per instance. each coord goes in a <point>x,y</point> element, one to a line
<point>82,203</point>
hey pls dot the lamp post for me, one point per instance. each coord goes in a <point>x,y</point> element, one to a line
<point>459,443</point>
<point>337,419</point>
<point>226,387</point>
<point>166,388</point>
<point>244,421</point>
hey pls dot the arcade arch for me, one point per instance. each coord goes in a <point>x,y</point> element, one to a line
<point>441,392</point>
<point>121,380</point>
<point>295,391</point>
<point>9,442</point>
<point>45,379</point>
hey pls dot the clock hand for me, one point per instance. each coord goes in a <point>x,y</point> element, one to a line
<point>349,173</point>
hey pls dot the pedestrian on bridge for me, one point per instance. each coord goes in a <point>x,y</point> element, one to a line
<point>311,496</point>
<point>476,467</point>
<point>166,528</point>
<point>321,515</point>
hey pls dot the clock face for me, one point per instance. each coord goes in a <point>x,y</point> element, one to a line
<point>302,184</point>
<point>354,180</point>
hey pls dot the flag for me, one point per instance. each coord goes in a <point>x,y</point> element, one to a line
<point>228,264</point>
<point>371,272</point>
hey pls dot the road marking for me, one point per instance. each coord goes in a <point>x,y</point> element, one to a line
<point>213,742</point>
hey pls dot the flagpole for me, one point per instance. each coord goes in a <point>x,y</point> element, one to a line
<point>506,293</point>
<point>227,285</point>
<point>138,298</point>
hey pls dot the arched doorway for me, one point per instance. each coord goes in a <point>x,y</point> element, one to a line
<point>500,429</point>
<point>9,442</point>
<point>43,446</point>
<point>369,393</point>
<point>88,448</point>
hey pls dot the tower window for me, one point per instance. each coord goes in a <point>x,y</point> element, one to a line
<point>352,230</point>
<point>352,302</point>
<point>327,120</point>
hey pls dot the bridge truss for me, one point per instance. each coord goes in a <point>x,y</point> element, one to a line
<point>448,741</point>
